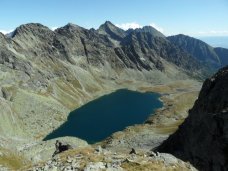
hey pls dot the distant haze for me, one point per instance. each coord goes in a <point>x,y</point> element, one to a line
<point>216,41</point>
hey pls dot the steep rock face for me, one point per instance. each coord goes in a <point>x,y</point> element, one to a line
<point>8,58</point>
<point>223,55</point>
<point>33,40</point>
<point>197,48</point>
<point>155,49</point>
<point>95,48</point>
<point>3,50</point>
<point>203,137</point>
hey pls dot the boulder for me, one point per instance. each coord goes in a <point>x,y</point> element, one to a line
<point>61,147</point>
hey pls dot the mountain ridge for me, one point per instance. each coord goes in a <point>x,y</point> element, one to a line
<point>197,48</point>
<point>37,29</point>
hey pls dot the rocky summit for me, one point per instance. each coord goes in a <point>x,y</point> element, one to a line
<point>202,138</point>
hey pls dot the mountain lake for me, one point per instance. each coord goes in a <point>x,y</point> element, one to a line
<point>110,113</point>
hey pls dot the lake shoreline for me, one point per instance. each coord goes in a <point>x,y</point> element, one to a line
<point>109,113</point>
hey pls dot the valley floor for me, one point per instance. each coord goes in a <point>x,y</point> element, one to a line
<point>178,97</point>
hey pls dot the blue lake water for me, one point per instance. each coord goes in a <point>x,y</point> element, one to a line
<point>101,117</point>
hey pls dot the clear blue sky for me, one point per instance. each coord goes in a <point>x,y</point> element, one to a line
<point>192,17</point>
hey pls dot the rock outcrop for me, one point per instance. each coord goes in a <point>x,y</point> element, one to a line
<point>61,147</point>
<point>203,137</point>
<point>88,159</point>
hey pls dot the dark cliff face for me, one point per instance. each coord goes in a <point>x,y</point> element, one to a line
<point>197,48</point>
<point>203,137</point>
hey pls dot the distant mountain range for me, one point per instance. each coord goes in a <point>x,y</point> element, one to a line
<point>146,41</point>
<point>199,49</point>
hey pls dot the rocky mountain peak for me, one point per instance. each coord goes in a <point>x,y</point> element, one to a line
<point>109,23</point>
<point>202,138</point>
<point>70,29</point>
<point>112,31</point>
<point>72,26</point>
<point>30,28</point>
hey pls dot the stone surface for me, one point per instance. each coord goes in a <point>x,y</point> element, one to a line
<point>88,160</point>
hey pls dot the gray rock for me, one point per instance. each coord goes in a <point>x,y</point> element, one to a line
<point>132,151</point>
<point>95,166</point>
<point>61,147</point>
<point>202,139</point>
<point>99,149</point>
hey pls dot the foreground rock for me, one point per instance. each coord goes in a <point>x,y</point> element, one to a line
<point>90,159</point>
<point>43,150</point>
<point>61,147</point>
<point>203,138</point>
